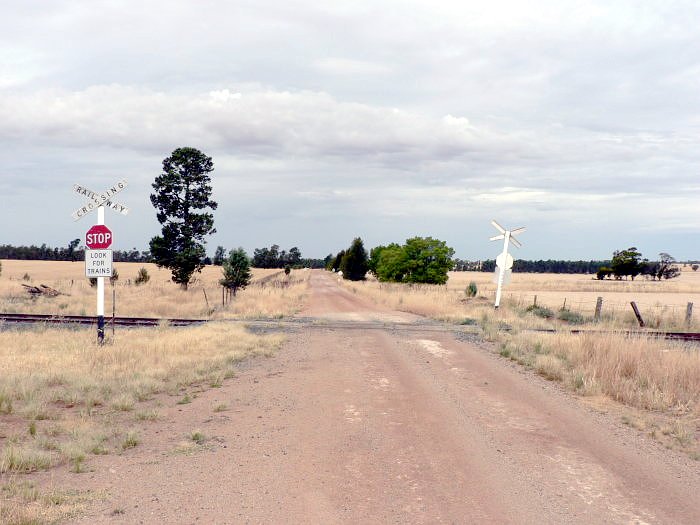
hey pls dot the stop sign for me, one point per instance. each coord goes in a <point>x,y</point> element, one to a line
<point>99,237</point>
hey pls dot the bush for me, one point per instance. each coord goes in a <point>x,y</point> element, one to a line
<point>142,277</point>
<point>540,311</point>
<point>114,278</point>
<point>570,317</point>
<point>471,289</point>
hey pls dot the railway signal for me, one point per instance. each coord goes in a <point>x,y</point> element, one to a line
<point>98,260</point>
<point>504,261</point>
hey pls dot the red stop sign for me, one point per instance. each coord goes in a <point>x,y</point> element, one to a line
<point>99,237</point>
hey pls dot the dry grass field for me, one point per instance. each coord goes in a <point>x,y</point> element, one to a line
<point>160,297</point>
<point>659,381</point>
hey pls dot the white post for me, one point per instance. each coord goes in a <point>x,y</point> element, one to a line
<point>100,289</point>
<point>502,268</point>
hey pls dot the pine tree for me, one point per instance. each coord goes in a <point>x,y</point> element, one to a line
<point>354,263</point>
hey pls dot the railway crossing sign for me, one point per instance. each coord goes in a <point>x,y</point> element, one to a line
<point>98,260</point>
<point>504,261</point>
<point>97,200</point>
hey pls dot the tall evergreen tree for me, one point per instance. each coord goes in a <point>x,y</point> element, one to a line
<point>181,191</point>
<point>354,263</point>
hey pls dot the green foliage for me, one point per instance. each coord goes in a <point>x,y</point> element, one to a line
<point>626,263</point>
<point>666,267</point>
<point>390,265</point>
<point>236,270</point>
<point>338,259</point>
<point>570,317</point>
<point>274,258</point>
<point>182,189</point>
<point>142,277</point>
<point>471,289</point>
<point>219,256</point>
<point>540,311</point>
<point>695,267</point>
<point>420,260</point>
<point>287,270</point>
<point>354,263</point>
<point>603,273</point>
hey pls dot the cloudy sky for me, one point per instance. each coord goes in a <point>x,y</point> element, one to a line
<point>379,119</point>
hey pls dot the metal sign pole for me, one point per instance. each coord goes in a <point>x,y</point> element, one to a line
<point>100,290</point>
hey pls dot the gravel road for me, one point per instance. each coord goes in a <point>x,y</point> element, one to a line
<point>390,426</point>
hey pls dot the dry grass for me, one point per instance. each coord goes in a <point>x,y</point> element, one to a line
<point>160,297</point>
<point>662,303</point>
<point>69,398</point>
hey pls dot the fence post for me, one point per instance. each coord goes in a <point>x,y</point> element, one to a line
<point>689,314</point>
<point>637,314</point>
<point>535,303</point>
<point>598,308</point>
<point>564,307</point>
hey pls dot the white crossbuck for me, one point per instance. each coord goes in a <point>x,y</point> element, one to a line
<point>96,200</point>
<point>504,261</point>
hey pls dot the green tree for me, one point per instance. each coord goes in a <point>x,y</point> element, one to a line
<point>181,191</point>
<point>626,263</point>
<point>667,267</point>
<point>354,263</point>
<point>391,264</point>
<point>219,256</point>
<point>72,245</point>
<point>428,260</point>
<point>338,259</point>
<point>236,269</point>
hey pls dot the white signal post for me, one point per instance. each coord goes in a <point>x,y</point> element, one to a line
<point>504,261</point>
<point>98,201</point>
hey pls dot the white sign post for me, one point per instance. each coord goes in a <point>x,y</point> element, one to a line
<point>96,260</point>
<point>504,261</point>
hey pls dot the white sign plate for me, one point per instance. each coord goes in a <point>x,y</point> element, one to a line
<point>106,198</point>
<point>98,263</point>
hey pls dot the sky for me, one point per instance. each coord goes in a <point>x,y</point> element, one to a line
<point>579,120</point>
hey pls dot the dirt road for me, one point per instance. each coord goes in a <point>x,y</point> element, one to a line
<point>390,426</point>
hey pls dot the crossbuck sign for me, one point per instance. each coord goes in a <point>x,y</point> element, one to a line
<point>504,261</point>
<point>98,263</point>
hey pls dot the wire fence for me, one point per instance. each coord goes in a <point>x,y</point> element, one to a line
<point>617,311</point>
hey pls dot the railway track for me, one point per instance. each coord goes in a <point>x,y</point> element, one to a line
<point>91,320</point>
<point>309,323</point>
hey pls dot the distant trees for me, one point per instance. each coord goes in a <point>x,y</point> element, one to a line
<point>419,260</point>
<point>535,266</point>
<point>274,258</point>
<point>182,196</point>
<point>219,256</point>
<point>47,253</point>
<point>236,270</point>
<point>353,263</point>
<point>629,263</point>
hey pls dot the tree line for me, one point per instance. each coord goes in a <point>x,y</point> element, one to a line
<point>68,253</point>
<point>539,266</point>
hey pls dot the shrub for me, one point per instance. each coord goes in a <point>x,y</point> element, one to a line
<point>540,311</point>
<point>471,289</point>
<point>142,277</point>
<point>114,278</point>
<point>570,317</point>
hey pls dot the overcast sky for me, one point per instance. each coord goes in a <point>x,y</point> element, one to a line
<point>329,120</point>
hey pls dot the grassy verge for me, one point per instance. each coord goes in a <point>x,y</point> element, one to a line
<point>64,400</point>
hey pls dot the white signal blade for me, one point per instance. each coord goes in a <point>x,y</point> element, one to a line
<point>516,242</point>
<point>498,227</point>
<point>497,238</point>
<point>516,231</point>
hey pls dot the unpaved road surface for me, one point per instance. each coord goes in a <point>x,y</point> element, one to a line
<point>390,426</point>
